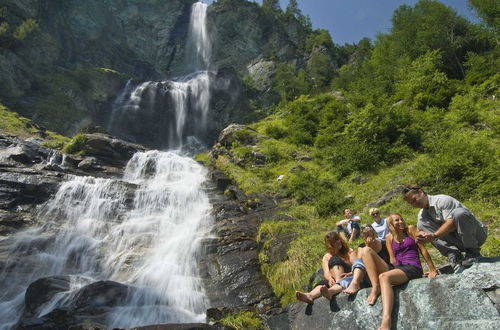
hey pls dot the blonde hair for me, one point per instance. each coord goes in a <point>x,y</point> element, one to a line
<point>373,209</point>
<point>390,224</point>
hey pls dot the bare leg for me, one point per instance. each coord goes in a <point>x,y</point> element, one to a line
<point>309,297</point>
<point>355,284</point>
<point>374,267</point>
<point>387,281</point>
<point>354,234</point>
<point>336,271</point>
<point>328,293</point>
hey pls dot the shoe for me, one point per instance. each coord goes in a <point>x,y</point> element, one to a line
<point>455,260</point>
<point>471,257</point>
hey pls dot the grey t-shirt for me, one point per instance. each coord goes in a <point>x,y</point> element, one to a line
<point>440,209</point>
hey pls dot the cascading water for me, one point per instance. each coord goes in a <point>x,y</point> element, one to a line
<point>93,230</point>
<point>175,100</point>
<point>153,246</point>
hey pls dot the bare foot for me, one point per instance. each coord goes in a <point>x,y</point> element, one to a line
<point>385,325</point>
<point>372,297</point>
<point>325,292</point>
<point>352,288</point>
<point>303,297</point>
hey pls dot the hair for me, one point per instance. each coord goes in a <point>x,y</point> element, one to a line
<point>411,188</point>
<point>373,209</point>
<point>390,224</point>
<point>343,212</point>
<point>330,240</point>
<point>368,230</point>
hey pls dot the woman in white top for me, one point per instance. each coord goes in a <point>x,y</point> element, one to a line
<point>379,224</point>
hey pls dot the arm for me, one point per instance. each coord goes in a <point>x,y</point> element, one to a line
<point>342,222</point>
<point>447,227</point>
<point>388,245</point>
<point>414,232</point>
<point>356,218</point>
<point>326,270</point>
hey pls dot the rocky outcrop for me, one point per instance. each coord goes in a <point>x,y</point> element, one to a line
<point>68,72</point>
<point>231,268</point>
<point>462,301</point>
<point>30,174</point>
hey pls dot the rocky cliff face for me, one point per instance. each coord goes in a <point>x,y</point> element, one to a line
<point>66,74</point>
<point>31,174</point>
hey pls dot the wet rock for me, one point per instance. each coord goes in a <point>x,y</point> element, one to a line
<point>231,267</point>
<point>110,151</point>
<point>221,180</point>
<point>42,290</point>
<point>87,163</point>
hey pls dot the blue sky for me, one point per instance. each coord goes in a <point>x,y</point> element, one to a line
<point>351,20</point>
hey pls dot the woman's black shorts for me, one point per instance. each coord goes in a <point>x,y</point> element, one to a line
<point>410,271</point>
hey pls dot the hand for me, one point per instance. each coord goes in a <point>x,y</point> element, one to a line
<point>344,275</point>
<point>432,274</point>
<point>331,281</point>
<point>424,237</point>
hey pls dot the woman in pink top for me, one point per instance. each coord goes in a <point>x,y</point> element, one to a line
<point>403,252</point>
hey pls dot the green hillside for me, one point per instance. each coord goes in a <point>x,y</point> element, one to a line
<point>416,105</point>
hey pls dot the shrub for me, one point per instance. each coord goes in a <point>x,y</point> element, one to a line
<point>243,321</point>
<point>76,145</point>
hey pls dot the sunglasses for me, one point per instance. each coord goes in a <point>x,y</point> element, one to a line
<point>375,213</point>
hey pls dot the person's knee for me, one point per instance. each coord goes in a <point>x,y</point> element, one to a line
<point>383,278</point>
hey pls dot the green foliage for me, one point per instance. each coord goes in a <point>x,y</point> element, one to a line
<point>76,145</point>
<point>419,104</point>
<point>25,29</point>
<point>422,84</point>
<point>243,321</point>
<point>290,82</point>
<point>489,11</point>
<point>203,158</point>
<point>22,127</point>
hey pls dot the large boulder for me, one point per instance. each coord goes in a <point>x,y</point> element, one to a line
<point>462,301</point>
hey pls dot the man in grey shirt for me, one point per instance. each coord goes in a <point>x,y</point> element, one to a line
<point>448,225</point>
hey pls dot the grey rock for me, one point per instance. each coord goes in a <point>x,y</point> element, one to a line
<point>386,197</point>
<point>446,302</point>
<point>87,163</point>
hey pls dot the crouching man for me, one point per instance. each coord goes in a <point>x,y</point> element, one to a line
<point>448,225</point>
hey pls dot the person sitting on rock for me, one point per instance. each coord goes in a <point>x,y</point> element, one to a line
<point>379,223</point>
<point>403,251</point>
<point>349,227</point>
<point>341,271</point>
<point>376,259</point>
<point>448,225</point>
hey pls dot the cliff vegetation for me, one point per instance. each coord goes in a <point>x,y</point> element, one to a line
<point>415,105</point>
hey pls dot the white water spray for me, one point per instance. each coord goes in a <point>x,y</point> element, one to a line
<point>153,246</point>
<point>198,35</point>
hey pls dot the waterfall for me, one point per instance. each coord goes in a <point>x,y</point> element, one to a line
<point>90,232</point>
<point>178,106</point>
<point>144,230</point>
<point>198,38</point>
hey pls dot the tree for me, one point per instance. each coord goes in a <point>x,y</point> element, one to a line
<point>489,11</point>
<point>293,9</point>
<point>273,5</point>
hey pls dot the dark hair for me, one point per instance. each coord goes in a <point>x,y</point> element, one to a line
<point>410,187</point>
